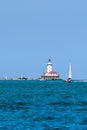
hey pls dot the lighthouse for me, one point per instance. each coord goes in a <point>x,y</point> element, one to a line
<point>50,74</point>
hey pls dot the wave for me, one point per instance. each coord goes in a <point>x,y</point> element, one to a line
<point>79,80</point>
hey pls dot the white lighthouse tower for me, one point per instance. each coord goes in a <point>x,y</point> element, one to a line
<point>50,74</point>
<point>49,66</point>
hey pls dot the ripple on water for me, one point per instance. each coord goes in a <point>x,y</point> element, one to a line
<point>84,121</point>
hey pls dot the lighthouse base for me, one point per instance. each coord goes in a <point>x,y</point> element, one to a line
<point>50,77</point>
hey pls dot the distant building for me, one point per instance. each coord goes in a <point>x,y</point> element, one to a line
<point>50,74</point>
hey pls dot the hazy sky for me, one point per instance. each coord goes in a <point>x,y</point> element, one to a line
<point>32,31</point>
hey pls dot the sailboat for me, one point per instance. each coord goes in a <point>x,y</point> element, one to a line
<point>69,74</point>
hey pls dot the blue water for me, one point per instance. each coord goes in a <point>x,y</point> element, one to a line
<point>43,105</point>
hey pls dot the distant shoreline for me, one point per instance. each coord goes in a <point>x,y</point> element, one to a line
<point>25,79</point>
<point>19,79</point>
<point>39,79</point>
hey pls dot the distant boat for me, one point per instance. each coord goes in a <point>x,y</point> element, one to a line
<point>69,74</point>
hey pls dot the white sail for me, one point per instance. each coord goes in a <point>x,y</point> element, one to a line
<point>70,72</point>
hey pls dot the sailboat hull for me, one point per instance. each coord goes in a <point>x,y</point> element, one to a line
<point>68,81</point>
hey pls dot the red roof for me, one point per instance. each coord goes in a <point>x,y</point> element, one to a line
<point>52,72</point>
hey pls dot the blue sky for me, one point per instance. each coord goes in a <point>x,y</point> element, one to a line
<point>31,32</point>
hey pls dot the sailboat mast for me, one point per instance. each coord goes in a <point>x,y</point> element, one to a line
<point>70,72</point>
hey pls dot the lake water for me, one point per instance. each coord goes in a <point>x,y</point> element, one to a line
<point>43,105</point>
